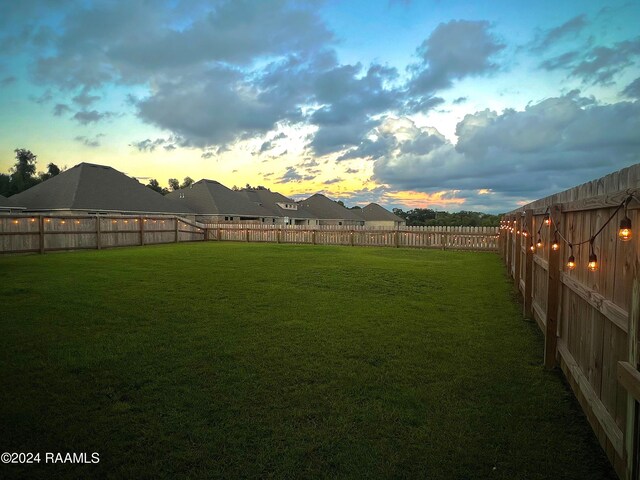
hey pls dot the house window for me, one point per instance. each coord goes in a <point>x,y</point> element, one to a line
<point>263,220</point>
<point>339,223</point>
<point>226,219</point>
<point>274,220</point>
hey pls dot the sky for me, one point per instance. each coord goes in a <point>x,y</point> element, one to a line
<point>451,105</point>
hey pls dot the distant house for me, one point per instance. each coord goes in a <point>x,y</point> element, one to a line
<point>96,189</point>
<point>212,202</point>
<point>329,212</point>
<point>376,216</point>
<point>285,210</point>
<point>8,206</point>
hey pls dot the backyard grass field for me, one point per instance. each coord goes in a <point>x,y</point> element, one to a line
<point>231,360</point>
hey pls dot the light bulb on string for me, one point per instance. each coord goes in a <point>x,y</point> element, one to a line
<point>624,233</point>
<point>539,243</point>
<point>593,259</point>
<point>547,220</point>
<point>555,246</point>
<point>571,262</point>
<point>532,247</point>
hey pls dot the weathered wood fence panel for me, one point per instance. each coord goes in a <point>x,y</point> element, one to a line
<point>589,311</point>
<point>47,233</point>
<point>24,233</point>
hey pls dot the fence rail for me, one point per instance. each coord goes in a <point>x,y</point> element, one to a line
<point>43,233</point>
<point>590,319</point>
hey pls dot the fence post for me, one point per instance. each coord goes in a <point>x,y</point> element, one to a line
<point>141,222</point>
<point>313,237</point>
<point>41,233</point>
<point>553,294</point>
<point>98,232</point>
<point>397,239</point>
<point>278,235</point>
<point>518,252</point>
<point>444,241</point>
<point>528,266</point>
<point>632,426</point>
<point>177,229</point>
<point>351,237</point>
<point>246,234</point>
<point>509,241</point>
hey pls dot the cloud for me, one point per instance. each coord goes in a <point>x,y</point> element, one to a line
<point>460,100</point>
<point>84,98</point>
<point>551,36</point>
<point>292,175</point>
<point>60,109</point>
<point>332,181</point>
<point>89,142</point>
<point>597,65</point>
<point>8,80</point>
<point>86,117</point>
<point>515,153</point>
<point>454,50</point>
<point>633,89</point>
<point>149,145</point>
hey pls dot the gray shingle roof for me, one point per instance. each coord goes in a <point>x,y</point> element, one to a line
<point>96,187</point>
<point>325,208</point>
<point>208,197</point>
<point>4,202</point>
<point>374,212</point>
<point>269,200</point>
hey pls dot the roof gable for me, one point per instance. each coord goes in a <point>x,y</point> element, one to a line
<point>96,187</point>
<point>374,212</point>
<point>209,197</point>
<point>325,208</point>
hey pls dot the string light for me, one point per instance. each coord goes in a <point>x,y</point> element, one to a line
<point>525,233</point>
<point>539,243</point>
<point>593,259</point>
<point>547,220</point>
<point>624,233</point>
<point>532,247</point>
<point>555,246</point>
<point>571,263</point>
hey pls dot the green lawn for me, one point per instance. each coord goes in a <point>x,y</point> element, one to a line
<point>225,360</point>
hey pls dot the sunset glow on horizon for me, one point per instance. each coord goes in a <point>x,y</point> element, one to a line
<point>449,105</point>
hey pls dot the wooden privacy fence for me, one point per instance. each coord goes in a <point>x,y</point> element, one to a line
<point>40,233</point>
<point>590,319</point>
<point>454,238</point>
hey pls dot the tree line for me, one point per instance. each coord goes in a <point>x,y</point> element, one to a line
<point>23,173</point>
<point>432,218</point>
<point>23,176</point>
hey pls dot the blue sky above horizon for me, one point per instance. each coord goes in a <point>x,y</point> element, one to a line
<point>436,104</point>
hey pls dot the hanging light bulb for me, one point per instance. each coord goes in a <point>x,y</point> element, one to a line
<point>593,259</point>
<point>624,233</point>
<point>539,243</point>
<point>532,247</point>
<point>555,246</point>
<point>547,220</point>
<point>571,263</point>
<point>525,233</point>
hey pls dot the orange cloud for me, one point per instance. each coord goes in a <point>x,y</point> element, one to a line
<point>415,199</point>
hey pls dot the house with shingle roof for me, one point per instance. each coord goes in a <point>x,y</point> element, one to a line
<point>96,189</point>
<point>329,212</point>
<point>285,210</point>
<point>212,202</point>
<point>7,206</point>
<point>379,217</point>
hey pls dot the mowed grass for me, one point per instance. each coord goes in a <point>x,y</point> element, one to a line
<point>225,360</point>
